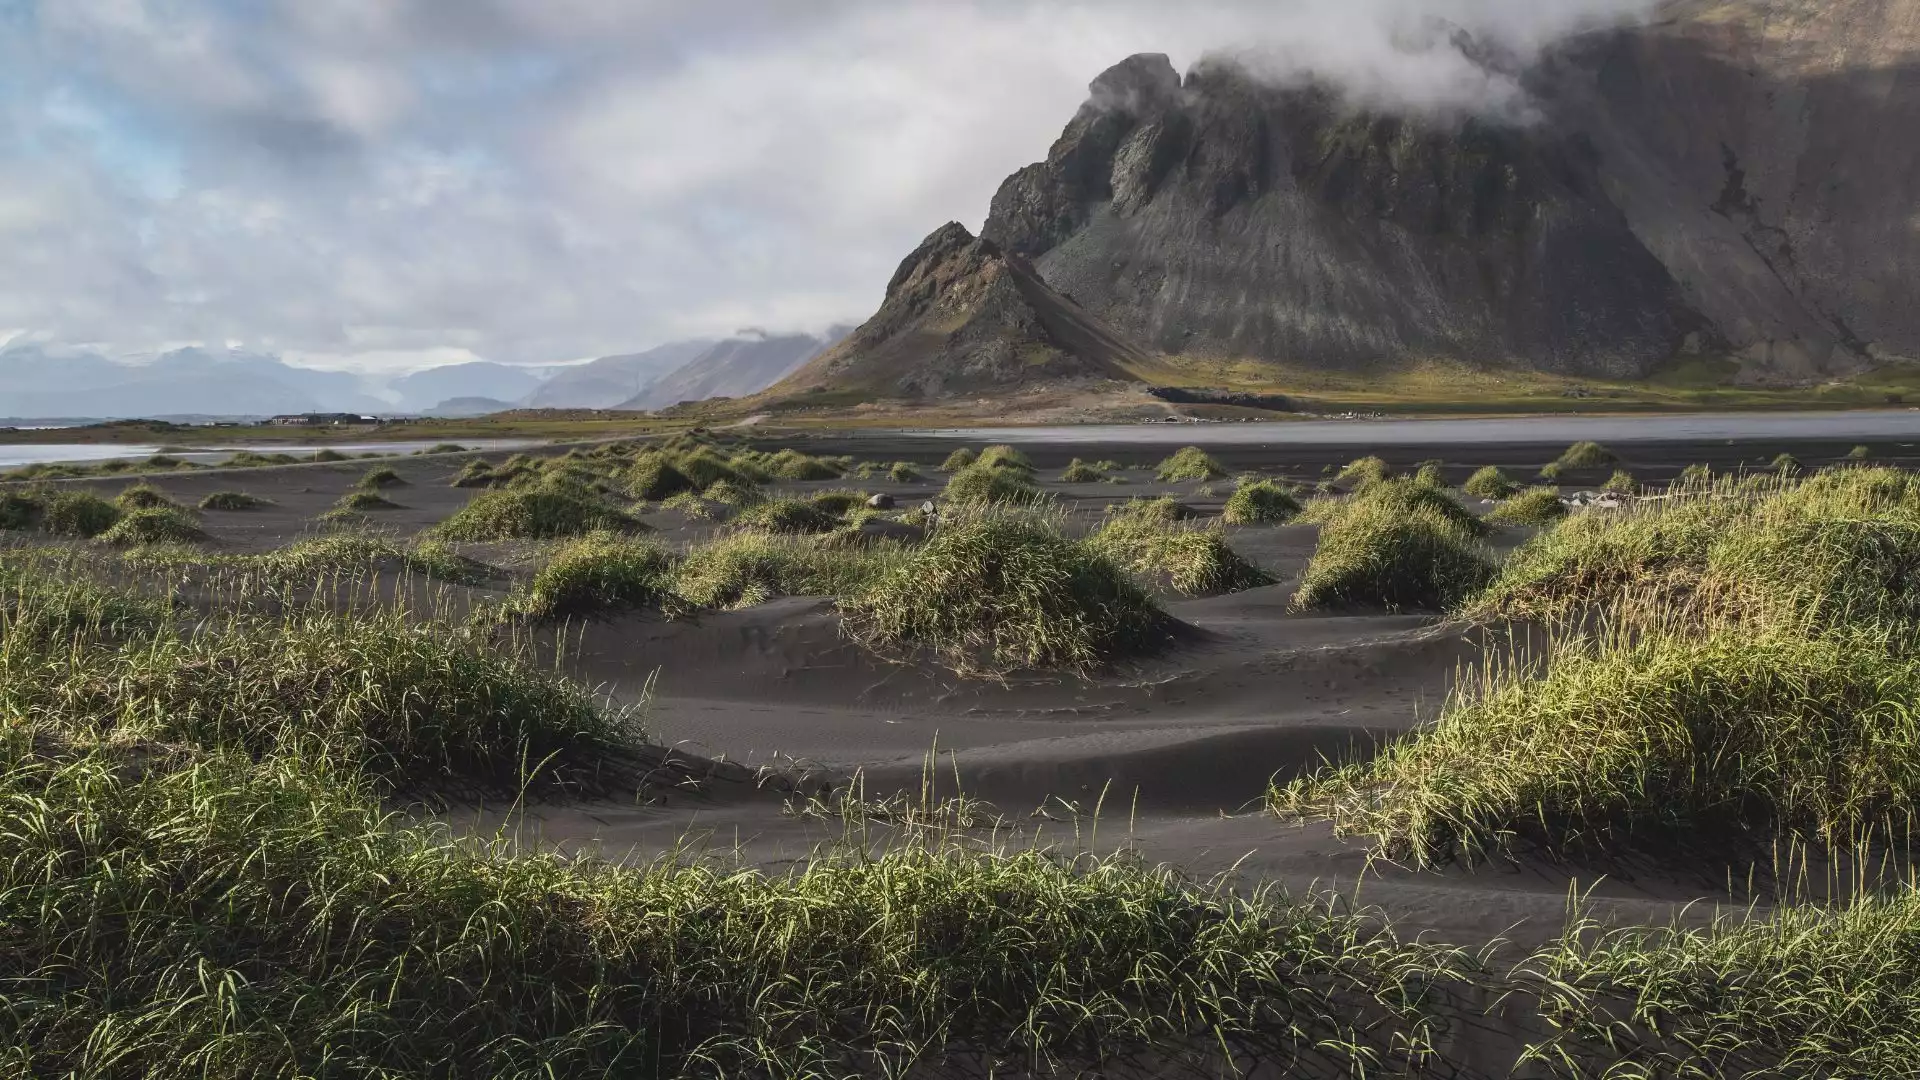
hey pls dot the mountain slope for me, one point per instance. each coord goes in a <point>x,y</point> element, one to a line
<point>1768,152</point>
<point>1223,217</point>
<point>736,367</point>
<point>63,383</point>
<point>423,390</point>
<point>962,316</point>
<point>610,380</point>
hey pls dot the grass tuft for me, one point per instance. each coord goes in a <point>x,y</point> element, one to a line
<point>1000,590</point>
<point>1079,472</point>
<point>598,573</point>
<point>1363,473</point>
<point>382,477</point>
<point>980,484</point>
<point>143,496</point>
<point>77,513</point>
<point>154,525</point>
<point>233,500</point>
<point>533,513</point>
<point>959,459</point>
<point>1260,502</point>
<point>1187,560</point>
<point>1534,506</point>
<point>789,516</point>
<point>1489,483</point>
<point>1190,463</point>
<point>1388,552</point>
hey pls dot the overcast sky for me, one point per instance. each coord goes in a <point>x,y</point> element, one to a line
<point>384,184</point>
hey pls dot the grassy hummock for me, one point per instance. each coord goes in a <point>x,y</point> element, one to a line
<point>1534,506</point>
<point>1393,553</point>
<point>1489,483</point>
<point>1261,502</point>
<point>1190,463</point>
<point>981,483</point>
<point>1362,473</point>
<point>76,513</point>
<point>959,459</point>
<point>1663,736</point>
<point>596,574</point>
<point>233,500</point>
<point>790,516</point>
<point>143,496</point>
<point>536,513</point>
<point>1190,561</point>
<point>1079,472</point>
<point>381,477</point>
<point>361,501</point>
<point>154,525</point>
<point>1001,590</point>
<point>1581,456</point>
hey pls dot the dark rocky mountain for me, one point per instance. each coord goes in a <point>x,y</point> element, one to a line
<point>736,367</point>
<point>962,316</point>
<point>1733,179</point>
<point>423,390</point>
<point>1227,218</point>
<point>611,380</point>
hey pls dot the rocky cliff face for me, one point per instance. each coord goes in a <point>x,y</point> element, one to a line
<point>1768,153</point>
<point>1221,217</point>
<point>963,316</point>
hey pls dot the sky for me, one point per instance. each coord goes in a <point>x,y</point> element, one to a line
<point>384,185</point>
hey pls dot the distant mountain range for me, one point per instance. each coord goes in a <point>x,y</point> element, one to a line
<point>49,381</point>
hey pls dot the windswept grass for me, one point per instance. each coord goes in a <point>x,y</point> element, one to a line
<point>1393,553</point>
<point>1261,502</point>
<point>154,525</point>
<point>381,477</point>
<point>1190,463</point>
<point>791,516</point>
<point>1362,473</point>
<point>419,705</point>
<point>1534,506</point>
<point>1005,457</point>
<point>1621,483</point>
<point>1187,560</point>
<point>597,574</point>
<point>1002,590</point>
<point>1489,483</point>
<point>744,569</point>
<point>1785,465</point>
<point>143,496</point>
<point>76,513</point>
<point>533,513</point>
<point>1079,472</point>
<point>980,484</point>
<point>233,501</point>
<point>1837,547</point>
<point>1662,736</point>
<point>365,500</point>
<point>904,472</point>
<point>1580,456</point>
<point>655,479</point>
<point>1163,510</point>
<point>959,459</point>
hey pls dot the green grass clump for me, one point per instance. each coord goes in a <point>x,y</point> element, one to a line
<point>443,448</point>
<point>329,455</point>
<point>1261,502</point>
<point>1164,510</point>
<point>1393,554</point>
<point>980,484</point>
<point>1785,465</point>
<point>233,500</point>
<point>1005,457</point>
<point>44,603</point>
<point>475,474</point>
<point>959,459</point>
<point>1079,472</point>
<point>790,516</point>
<point>1775,735</point>
<point>361,501</point>
<point>1534,506</point>
<point>734,493</point>
<point>1431,474</point>
<point>154,525</point>
<point>598,573</point>
<point>1860,453</point>
<point>77,513</point>
<point>743,569</point>
<point>791,464</point>
<point>533,513</point>
<point>1693,476</point>
<point>382,477</point>
<point>350,554</point>
<point>904,472</point>
<point>839,503</point>
<point>654,478</point>
<point>1007,590</point>
<point>1190,561</point>
<point>19,510</point>
<point>332,939</point>
<point>1835,548</point>
<point>1190,463</point>
<point>143,497</point>
<point>417,704</point>
<point>1362,473</point>
<point>694,507</point>
<point>1586,455</point>
<point>1489,483</point>
<point>1621,483</point>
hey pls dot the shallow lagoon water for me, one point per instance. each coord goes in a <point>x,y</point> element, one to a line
<point>16,456</point>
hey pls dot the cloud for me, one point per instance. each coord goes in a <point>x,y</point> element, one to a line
<point>366,181</point>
